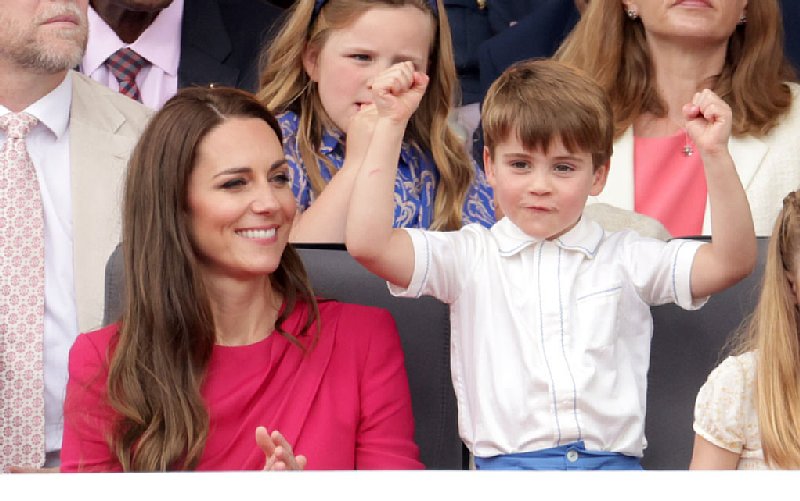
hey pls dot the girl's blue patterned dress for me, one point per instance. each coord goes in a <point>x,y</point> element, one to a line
<point>414,190</point>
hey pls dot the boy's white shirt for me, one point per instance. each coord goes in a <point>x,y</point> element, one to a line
<point>550,340</point>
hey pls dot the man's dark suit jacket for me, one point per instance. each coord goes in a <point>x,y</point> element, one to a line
<point>471,23</point>
<point>221,41</point>
<point>791,22</point>
<point>537,35</point>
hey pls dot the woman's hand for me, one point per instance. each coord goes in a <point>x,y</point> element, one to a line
<point>398,90</point>
<point>278,452</point>
<point>708,123</point>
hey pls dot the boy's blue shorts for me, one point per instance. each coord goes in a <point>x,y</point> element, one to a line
<point>572,456</point>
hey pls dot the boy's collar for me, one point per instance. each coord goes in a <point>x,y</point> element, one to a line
<point>584,237</point>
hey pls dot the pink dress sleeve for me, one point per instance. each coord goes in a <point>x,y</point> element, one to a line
<point>87,416</point>
<point>385,438</point>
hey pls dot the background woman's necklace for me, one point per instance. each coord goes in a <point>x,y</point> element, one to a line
<point>688,149</point>
<point>665,127</point>
<point>687,145</point>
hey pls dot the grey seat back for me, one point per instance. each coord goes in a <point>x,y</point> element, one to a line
<point>686,346</point>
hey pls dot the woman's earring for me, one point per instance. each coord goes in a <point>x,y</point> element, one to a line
<point>743,19</point>
<point>632,14</point>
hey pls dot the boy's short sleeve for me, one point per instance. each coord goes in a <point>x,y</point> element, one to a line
<point>720,413</point>
<point>662,271</point>
<point>442,262</point>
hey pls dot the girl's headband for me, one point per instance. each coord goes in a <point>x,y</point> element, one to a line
<point>318,4</point>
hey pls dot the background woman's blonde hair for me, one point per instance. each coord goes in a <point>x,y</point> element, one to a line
<point>772,331</point>
<point>285,86</point>
<point>612,48</point>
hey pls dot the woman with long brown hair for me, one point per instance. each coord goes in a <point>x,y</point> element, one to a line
<point>221,338</point>
<point>650,56</point>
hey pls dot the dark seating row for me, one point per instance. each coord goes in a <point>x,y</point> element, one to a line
<point>686,347</point>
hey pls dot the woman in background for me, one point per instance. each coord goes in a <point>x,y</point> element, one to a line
<point>651,56</point>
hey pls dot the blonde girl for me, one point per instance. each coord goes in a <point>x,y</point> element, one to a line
<point>317,78</point>
<point>747,413</point>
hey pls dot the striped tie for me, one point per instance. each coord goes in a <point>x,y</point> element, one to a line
<point>125,64</point>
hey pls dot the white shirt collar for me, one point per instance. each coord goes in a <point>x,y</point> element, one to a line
<point>53,109</point>
<point>160,43</point>
<point>584,237</point>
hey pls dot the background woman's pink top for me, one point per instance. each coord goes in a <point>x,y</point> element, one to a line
<point>668,185</point>
<point>344,405</point>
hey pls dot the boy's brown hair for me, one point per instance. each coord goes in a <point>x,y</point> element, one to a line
<point>541,100</point>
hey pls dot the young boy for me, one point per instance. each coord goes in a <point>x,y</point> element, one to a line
<point>550,315</point>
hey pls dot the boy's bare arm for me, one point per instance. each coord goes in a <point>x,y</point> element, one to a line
<point>369,236</point>
<point>731,255</point>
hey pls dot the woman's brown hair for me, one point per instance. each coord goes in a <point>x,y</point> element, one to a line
<point>167,330</point>
<point>613,49</point>
<point>284,86</point>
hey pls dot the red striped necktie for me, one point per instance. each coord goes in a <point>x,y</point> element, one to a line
<point>125,64</point>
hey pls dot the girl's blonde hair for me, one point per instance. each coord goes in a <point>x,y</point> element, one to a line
<point>285,86</point>
<point>752,81</point>
<point>773,332</point>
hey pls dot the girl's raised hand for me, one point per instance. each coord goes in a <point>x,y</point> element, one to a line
<point>708,122</point>
<point>278,452</point>
<point>398,90</point>
<point>359,132</point>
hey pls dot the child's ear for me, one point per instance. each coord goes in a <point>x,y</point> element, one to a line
<point>599,181</point>
<point>488,166</point>
<point>310,58</point>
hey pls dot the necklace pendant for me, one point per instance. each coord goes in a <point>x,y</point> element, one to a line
<point>688,151</point>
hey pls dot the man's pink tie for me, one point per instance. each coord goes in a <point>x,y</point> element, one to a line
<point>21,300</point>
